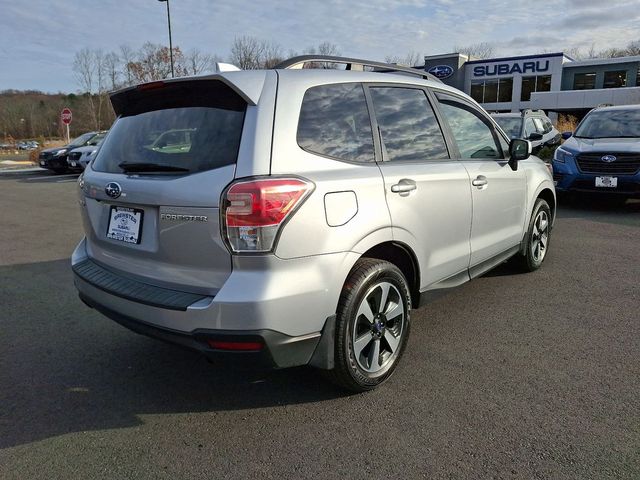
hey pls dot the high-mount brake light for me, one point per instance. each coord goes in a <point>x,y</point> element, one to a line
<point>253,211</point>
<point>150,85</point>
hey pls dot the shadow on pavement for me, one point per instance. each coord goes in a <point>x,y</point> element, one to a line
<point>66,368</point>
<point>603,208</point>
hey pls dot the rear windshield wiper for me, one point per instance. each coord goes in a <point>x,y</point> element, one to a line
<point>150,167</point>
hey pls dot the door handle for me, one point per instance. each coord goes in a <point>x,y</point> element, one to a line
<point>480,181</point>
<point>404,186</point>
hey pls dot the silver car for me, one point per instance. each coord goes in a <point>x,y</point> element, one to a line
<point>306,213</point>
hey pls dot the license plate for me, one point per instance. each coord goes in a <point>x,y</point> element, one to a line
<point>125,224</point>
<point>74,164</point>
<point>607,182</point>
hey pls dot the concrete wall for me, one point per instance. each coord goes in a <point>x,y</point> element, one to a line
<point>584,99</point>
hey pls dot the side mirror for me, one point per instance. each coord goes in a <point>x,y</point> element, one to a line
<point>535,136</point>
<point>566,135</point>
<point>518,150</point>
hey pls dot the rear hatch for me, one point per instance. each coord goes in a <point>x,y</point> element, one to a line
<point>151,196</point>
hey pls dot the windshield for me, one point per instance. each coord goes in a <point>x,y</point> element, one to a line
<point>97,139</point>
<point>510,125</point>
<point>82,139</point>
<point>610,124</point>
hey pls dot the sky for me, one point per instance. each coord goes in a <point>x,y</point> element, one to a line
<point>39,38</point>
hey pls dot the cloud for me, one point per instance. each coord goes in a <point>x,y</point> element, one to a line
<point>41,39</point>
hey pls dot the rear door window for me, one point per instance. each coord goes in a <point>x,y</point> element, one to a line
<point>334,122</point>
<point>181,127</point>
<point>408,126</point>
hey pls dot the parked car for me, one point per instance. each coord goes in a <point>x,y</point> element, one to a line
<point>532,125</point>
<point>55,158</point>
<point>312,211</point>
<point>603,155</point>
<point>79,158</point>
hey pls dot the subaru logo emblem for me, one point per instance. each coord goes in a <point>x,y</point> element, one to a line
<point>112,189</point>
<point>609,158</point>
<point>441,71</point>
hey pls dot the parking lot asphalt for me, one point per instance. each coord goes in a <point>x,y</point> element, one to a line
<point>512,376</point>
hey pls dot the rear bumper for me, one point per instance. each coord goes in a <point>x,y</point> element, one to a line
<point>277,351</point>
<point>284,304</point>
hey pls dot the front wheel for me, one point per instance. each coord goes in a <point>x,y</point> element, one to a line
<point>538,237</point>
<point>372,325</point>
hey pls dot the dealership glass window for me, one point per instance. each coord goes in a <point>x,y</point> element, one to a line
<point>505,89</point>
<point>492,91</point>
<point>584,81</point>
<point>615,79</point>
<point>541,83</point>
<point>477,91</point>
<point>408,126</point>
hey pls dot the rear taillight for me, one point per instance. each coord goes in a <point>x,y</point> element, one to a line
<point>253,211</point>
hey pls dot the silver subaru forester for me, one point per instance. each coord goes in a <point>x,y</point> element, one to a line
<point>296,216</point>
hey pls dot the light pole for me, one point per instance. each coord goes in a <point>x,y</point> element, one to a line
<point>170,44</point>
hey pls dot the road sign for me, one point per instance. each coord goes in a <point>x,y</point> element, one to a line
<point>66,116</point>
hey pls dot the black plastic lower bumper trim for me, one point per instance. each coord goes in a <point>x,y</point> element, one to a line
<point>133,290</point>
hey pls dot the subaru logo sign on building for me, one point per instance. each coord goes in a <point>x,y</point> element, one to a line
<point>441,71</point>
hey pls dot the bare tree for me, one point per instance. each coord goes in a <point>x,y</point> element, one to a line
<point>197,62</point>
<point>153,62</point>
<point>112,69</point>
<point>127,57</point>
<point>325,48</point>
<point>411,59</point>
<point>480,50</point>
<point>84,69</point>
<point>246,53</point>
<point>250,53</point>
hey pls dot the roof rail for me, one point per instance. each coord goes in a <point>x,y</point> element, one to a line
<point>353,64</point>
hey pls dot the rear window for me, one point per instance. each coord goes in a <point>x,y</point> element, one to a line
<point>184,127</point>
<point>334,122</point>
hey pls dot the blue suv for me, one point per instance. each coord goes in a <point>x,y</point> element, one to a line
<point>603,155</point>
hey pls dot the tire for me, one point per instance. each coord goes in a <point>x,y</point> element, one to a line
<point>369,344</point>
<point>536,243</point>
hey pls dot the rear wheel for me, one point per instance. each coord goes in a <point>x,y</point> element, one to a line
<point>372,325</point>
<point>538,237</point>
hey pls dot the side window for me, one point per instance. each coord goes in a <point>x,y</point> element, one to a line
<point>473,134</point>
<point>548,126</point>
<point>529,127</point>
<point>539,125</point>
<point>408,126</point>
<point>334,121</point>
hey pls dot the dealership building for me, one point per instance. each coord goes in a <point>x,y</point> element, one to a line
<point>553,82</point>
